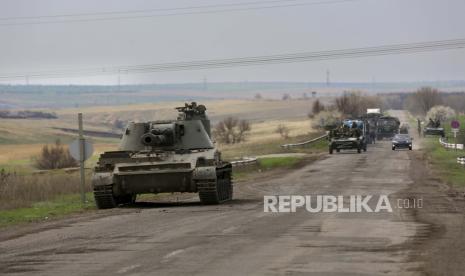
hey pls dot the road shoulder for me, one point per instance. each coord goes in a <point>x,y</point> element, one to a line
<point>440,245</point>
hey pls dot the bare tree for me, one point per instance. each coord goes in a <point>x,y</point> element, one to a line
<point>283,131</point>
<point>232,130</point>
<point>423,100</point>
<point>456,101</point>
<point>243,128</point>
<point>355,104</point>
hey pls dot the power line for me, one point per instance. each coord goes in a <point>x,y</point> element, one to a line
<point>253,60</point>
<point>138,14</point>
<point>155,10</point>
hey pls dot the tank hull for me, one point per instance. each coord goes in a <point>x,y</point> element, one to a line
<point>126,177</point>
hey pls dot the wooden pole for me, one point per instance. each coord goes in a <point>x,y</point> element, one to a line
<point>82,151</point>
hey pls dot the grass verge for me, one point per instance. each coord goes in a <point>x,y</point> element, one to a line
<point>44,210</point>
<point>277,162</point>
<point>444,162</point>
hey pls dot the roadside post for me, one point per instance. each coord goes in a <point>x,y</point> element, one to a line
<point>455,126</point>
<point>81,150</point>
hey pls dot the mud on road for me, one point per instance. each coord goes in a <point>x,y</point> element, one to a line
<point>239,238</point>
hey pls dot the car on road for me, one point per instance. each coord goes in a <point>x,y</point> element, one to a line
<point>402,141</point>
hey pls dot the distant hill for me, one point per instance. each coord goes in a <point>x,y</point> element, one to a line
<point>64,96</point>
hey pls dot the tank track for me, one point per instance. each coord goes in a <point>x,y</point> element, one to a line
<point>216,191</point>
<point>104,198</point>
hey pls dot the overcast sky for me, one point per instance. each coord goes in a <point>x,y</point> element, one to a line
<point>342,25</point>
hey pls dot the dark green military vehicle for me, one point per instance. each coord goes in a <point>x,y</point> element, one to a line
<point>164,157</point>
<point>351,134</point>
<point>387,127</point>
<point>434,128</point>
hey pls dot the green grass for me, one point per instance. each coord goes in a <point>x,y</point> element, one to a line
<point>444,162</point>
<point>19,166</point>
<point>277,162</point>
<point>59,207</point>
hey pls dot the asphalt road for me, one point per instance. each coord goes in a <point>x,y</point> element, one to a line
<point>239,238</point>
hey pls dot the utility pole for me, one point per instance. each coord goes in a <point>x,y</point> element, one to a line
<point>119,79</point>
<point>205,84</point>
<point>82,158</point>
<point>328,80</point>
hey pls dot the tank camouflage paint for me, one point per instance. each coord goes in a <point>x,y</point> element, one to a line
<point>164,157</point>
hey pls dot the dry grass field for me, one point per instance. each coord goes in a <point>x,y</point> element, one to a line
<point>22,139</point>
<point>254,110</point>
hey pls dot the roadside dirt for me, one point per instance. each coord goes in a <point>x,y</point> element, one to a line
<point>441,244</point>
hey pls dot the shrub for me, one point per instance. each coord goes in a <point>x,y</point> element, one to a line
<point>440,113</point>
<point>283,131</point>
<point>326,119</point>
<point>317,107</point>
<point>54,157</point>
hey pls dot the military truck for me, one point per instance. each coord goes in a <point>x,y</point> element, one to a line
<point>164,156</point>
<point>387,127</point>
<point>434,128</point>
<point>351,134</point>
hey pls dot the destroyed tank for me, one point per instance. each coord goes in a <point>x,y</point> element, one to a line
<point>164,157</point>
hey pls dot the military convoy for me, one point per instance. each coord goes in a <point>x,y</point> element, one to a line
<point>164,157</point>
<point>356,134</point>
<point>351,134</point>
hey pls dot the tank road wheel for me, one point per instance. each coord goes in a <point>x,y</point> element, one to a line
<point>104,198</point>
<point>216,191</point>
